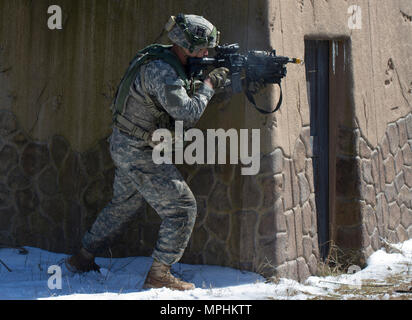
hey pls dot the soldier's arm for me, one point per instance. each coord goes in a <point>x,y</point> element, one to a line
<point>163,83</point>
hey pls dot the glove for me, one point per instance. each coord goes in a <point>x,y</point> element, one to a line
<point>218,77</point>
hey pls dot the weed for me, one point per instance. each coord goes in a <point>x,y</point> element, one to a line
<point>338,261</point>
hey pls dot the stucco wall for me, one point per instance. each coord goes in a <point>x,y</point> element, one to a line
<point>381,93</point>
<point>70,75</point>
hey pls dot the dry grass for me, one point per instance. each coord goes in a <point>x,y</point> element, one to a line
<point>338,261</point>
<point>267,269</point>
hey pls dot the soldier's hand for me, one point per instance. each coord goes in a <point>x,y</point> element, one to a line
<point>218,77</point>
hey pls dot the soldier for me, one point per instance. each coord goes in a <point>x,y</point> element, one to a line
<point>154,93</point>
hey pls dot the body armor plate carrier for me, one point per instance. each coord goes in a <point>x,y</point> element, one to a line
<point>120,119</point>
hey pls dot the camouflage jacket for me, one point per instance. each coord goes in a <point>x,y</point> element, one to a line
<point>160,84</point>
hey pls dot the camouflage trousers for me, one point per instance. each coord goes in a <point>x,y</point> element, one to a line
<point>138,178</point>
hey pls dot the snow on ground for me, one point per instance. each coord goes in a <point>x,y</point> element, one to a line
<point>29,279</point>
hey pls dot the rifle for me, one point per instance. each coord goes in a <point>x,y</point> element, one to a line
<point>263,67</point>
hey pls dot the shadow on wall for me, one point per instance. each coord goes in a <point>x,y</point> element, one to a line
<point>49,194</point>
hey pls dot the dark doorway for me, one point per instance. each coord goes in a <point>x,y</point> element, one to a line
<point>317,53</point>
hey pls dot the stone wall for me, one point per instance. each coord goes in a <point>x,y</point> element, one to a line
<point>373,190</point>
<point>272,231</point>
<point>50,195</point>
<point>386,186</point>
<point>295,253</point>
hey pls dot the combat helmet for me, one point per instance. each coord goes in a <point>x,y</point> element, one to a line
<point>192,32</point>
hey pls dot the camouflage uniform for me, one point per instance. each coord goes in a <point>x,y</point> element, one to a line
<point>138,178</point>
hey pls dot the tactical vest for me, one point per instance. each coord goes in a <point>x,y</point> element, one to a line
<point>125,91</point>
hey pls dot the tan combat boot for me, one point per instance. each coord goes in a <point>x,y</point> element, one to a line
<point>159,276</point>
<point>83,261</point>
